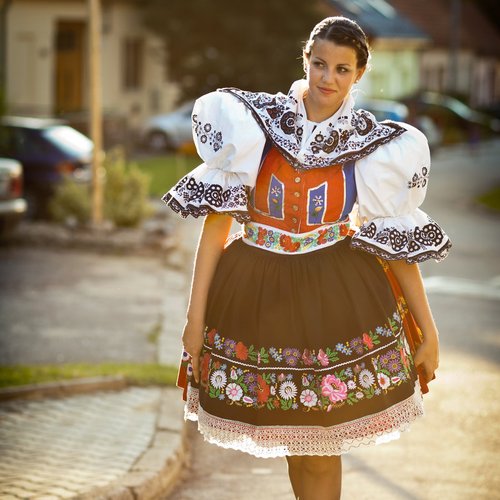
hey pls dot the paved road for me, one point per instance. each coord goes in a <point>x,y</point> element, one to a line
<point>452,452</point>
<point>71,306</point>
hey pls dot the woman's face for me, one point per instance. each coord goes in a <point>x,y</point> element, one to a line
<point>331,72</point>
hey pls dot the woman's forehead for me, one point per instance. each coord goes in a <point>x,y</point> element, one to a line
<point>332,52</point>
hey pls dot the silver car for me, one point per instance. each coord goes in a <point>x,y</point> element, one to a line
<point>169,131</point>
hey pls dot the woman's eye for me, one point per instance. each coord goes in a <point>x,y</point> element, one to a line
<point>342,70</point>
<point>318,64</point>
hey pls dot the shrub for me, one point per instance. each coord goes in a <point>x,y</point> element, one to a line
<point>125,195</point>
<point>126,192</point>
<point>71,201</point>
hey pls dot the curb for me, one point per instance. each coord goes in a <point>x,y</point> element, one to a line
<point>149,240</point>
<point>64,388</point>
<point>157,471</point>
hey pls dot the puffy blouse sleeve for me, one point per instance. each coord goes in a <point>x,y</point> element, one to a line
<point>391,184</point>
<point>230,143</point>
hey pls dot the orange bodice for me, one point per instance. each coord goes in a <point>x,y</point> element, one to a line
<point>300,201</point>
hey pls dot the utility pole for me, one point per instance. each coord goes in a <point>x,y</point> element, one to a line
<point>95,23</point>
<point>4,8</point>
<point>456,28</point>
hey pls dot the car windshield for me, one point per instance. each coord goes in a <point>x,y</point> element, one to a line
<point>68,139</point>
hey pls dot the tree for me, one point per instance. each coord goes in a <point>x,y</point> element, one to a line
<point>253,44</point>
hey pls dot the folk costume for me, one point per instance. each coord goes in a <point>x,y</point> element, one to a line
<point>308,347</point>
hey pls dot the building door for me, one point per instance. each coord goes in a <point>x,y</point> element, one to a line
<point>70,52</point>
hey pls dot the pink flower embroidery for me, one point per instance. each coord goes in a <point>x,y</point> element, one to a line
<point>307,358</point>
<point>333,388</point>
<point>234,392</point>
<point>308,398</point>
<point>323,358</point>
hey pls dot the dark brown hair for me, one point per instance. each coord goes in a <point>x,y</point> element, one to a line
<point>342,31</point>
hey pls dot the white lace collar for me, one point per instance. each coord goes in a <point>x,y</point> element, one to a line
<point>347,135</point>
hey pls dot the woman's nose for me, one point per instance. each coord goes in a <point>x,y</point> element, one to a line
<point>328,76</point>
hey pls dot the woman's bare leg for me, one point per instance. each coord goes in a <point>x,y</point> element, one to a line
<point>295,474</point>
<point>315,477</point>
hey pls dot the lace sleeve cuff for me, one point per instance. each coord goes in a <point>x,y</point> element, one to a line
<point>198,198</point>
<point>414,237</point>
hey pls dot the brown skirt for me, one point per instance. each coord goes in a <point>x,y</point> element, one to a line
<point>305,354</point>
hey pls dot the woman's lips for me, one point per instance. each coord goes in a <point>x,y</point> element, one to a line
<point>326,91</point>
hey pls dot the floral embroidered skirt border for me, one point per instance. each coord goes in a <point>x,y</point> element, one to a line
<point>304,354</point>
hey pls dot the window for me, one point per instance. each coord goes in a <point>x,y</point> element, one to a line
<point>133,49</point>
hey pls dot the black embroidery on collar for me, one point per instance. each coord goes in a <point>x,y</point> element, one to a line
<point>276,114</point>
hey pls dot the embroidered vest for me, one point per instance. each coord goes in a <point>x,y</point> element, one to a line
<point>301,201</point>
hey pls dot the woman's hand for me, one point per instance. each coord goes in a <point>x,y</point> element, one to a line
<point>192,340</point>
<point>427,357</point>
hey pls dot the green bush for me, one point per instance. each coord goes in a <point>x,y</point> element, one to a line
<point>125,195</point>
<point>126,192</point>
<point>71,201</point>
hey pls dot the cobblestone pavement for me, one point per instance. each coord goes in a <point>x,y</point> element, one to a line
<point>59,448</point>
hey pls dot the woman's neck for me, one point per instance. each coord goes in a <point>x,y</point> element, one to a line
<point>318,114</point>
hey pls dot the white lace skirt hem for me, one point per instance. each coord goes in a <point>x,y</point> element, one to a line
<point>280,441</point>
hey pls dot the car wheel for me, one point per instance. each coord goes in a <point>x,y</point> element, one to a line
<point>159,141</point>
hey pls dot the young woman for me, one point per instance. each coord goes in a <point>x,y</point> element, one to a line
<point>301,337</point>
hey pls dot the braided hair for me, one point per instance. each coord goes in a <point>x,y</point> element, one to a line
<point>342,31</point>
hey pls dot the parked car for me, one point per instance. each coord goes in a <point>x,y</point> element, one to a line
<point>384,109</point>
<point>455,120</point>
<point>48,150</point>
<point>12,204</point>
<point>168,131</point>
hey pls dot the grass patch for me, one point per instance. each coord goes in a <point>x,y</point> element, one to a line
<point>166,170</point>
<point>491,199</point>
<point>136,374</point>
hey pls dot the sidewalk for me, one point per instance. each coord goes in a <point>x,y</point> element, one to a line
<point>105,444</point>
<point>100,445</point>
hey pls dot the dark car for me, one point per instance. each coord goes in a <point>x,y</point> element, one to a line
<point>48,150</point>
<point>12,204</point>
<point>456,121</point>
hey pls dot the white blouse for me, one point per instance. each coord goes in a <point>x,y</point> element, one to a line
<point>391,181</point>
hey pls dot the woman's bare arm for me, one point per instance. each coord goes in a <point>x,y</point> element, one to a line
<point>210,246</point>
<point>410,280</point>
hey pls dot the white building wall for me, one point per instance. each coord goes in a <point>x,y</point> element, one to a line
<point>31,52</point>
<point>31,60</point>
<point>393,74</point>
<point>136,104</point>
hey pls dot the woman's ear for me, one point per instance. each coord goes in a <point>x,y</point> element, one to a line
<point>305,62</point>
<point>360,72</point>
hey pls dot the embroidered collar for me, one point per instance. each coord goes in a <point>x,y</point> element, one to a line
<point>347,135</point>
